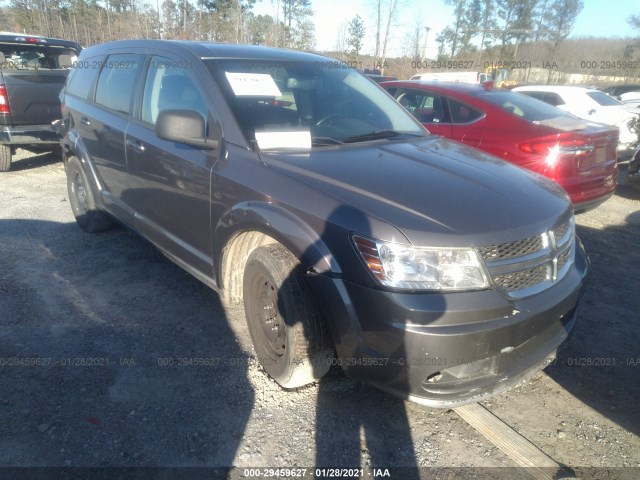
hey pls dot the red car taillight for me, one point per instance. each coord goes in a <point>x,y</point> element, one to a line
<point>544,146</point>
<point>552,149</point>
<point>4,100</point>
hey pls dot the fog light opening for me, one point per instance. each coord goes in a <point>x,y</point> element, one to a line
<point>434,377</point>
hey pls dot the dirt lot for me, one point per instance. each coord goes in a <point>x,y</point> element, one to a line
<point>88,323</point>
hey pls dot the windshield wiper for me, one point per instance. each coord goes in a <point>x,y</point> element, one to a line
<point>321,141</point>
<point>376,135</point>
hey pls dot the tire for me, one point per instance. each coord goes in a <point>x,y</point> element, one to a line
<point>289,336</point>
<point>82,201</point>
<point>5,158</point>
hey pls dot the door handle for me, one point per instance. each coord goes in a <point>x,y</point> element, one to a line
<point>136,145</point>
<point>85,121</point>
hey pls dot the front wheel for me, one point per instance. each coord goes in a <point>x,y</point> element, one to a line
<point>290,339</point>
<point>87,214</point>
<point>5,158</point>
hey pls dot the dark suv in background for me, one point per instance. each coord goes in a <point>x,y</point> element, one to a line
<point>32,72</point>
<point>301,191</point>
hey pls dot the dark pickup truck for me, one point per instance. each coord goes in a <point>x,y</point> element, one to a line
<point>32,72</point>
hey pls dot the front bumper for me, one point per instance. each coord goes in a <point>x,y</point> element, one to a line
<point>447,350</point>
<point>24,135</point>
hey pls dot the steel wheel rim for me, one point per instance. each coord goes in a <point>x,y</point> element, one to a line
<point>269,318</point>
<point>79,192</point>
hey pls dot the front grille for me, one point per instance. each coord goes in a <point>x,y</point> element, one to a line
<point>560,231</point>
<point>528,266</point>
<point>563,258</point>
<point>522,279</point>
<point>515,249</point>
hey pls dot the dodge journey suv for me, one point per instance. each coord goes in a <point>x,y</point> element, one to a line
<point>301,191</point>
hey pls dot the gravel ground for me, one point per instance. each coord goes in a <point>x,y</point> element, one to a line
<point>102,314</point>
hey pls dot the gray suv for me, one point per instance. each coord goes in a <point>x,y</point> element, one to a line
<point>302,192</point>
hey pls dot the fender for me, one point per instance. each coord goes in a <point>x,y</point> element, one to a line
<point>278,223</point>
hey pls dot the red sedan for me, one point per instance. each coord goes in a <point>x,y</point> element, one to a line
<point>578,154</point>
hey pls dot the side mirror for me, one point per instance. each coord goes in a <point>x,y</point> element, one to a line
<point>184,126</point>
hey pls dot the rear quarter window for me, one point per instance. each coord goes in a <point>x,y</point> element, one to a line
<point>83,76</point>
<point>117,81</point>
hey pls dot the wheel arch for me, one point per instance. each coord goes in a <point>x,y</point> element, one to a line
<point>73,146</point>
<point>250,225</point>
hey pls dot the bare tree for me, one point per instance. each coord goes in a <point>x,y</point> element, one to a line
<point>391,13</point>
<point>378,26</point>
<point>415,42</point>
<point>341,46</point>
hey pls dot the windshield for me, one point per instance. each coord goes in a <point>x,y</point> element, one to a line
<point>523,106</point>
<point>299,104</point>
<point>604,99</point>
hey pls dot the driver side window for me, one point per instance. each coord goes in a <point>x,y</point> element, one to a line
<point>168,87</point>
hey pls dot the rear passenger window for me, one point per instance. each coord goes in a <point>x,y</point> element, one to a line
<point>82,77</point>
<point>461,113</point>
<point>427,107</point>
<point>117,81</point>
<point>168,87</point>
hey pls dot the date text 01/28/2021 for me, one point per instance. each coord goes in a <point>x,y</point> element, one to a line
<point>295,472</point>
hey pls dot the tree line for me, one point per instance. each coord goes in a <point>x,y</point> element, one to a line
<point>232,21</point>
<point>523,34</point>
<point>480,30</point>
<point>479,25</point>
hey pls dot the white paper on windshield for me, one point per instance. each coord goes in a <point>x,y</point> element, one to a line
<point>253,84</point>
<point>295,139</point>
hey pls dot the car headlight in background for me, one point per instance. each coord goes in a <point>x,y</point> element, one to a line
<point>415,268</point>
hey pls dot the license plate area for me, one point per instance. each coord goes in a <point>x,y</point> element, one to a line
<point>596,157</point>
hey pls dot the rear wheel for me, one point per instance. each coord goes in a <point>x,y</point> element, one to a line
<point>288,334</point>
<point>82,202</point>
<point>5,158</point>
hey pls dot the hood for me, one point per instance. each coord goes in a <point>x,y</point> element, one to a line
<point>436,192</point>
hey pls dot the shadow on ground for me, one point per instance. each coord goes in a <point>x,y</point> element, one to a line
<point>26,160</point>
<point>112,355</point>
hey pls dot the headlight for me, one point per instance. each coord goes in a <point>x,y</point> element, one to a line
<point>413,268</point>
